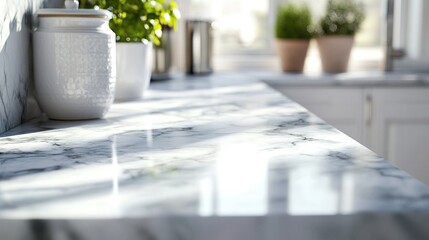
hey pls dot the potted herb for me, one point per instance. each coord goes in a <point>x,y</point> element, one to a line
<point>137,24</point>
<point>336,31</point>
<point>293,36</point>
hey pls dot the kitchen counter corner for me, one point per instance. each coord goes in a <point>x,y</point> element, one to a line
<point>216,157</point>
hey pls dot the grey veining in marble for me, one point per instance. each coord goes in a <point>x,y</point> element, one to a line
<point>220,157</point>
<point>15,62</point>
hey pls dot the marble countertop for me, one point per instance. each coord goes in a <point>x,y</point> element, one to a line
<point>349,79</point>
<point>216,157</point>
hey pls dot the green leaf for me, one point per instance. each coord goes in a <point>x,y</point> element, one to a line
<point>293,22</point>
<point>138,20</point>
<point>342,17</point>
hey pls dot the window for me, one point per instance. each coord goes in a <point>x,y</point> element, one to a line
<point>244,33</point>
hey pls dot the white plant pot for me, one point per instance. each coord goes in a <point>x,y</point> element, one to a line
<point>74,53</point>
<point>134,67</point>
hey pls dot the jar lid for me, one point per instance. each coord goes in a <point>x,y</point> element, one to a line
<point>83,13</point>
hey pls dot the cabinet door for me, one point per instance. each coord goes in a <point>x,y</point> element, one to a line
<point>400,128</point>
<point>341,107</point>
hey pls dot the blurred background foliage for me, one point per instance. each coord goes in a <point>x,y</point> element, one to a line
<point>138,20</point>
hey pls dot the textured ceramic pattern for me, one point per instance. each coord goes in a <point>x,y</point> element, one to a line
<point>75,73</point>
<point>79,67</point>
<point>219,157</point>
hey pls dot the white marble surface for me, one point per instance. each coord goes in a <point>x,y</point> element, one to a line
<point>17,102</point>
<point>219,157</point>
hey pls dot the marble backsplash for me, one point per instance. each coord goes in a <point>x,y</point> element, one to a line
<point>17,101</point>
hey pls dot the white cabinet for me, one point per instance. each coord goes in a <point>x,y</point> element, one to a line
<point>393,122</point>
<point>400,128</point>
<point>340,107</point>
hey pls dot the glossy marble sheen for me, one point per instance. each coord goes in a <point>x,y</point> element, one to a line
<point>218,157</point>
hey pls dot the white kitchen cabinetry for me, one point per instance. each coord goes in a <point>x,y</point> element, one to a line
<point>340,107</point>
<point>400,128</point>
<point>393,122</point>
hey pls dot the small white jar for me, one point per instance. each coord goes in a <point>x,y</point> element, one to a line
<point>74,63</point>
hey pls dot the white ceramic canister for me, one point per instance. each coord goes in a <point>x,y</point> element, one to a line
<point>74,60</point>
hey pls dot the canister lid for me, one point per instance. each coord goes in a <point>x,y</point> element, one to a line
<point>83,13</point>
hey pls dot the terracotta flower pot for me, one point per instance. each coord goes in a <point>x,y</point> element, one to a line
<point>335,52</point>
<point>292,54</point>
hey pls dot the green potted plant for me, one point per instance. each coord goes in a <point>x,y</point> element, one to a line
<point>336,31</point>
<point>138,24</point>
<point>292,31</point>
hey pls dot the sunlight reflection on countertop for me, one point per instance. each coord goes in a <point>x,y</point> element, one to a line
<point>202,148</point>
